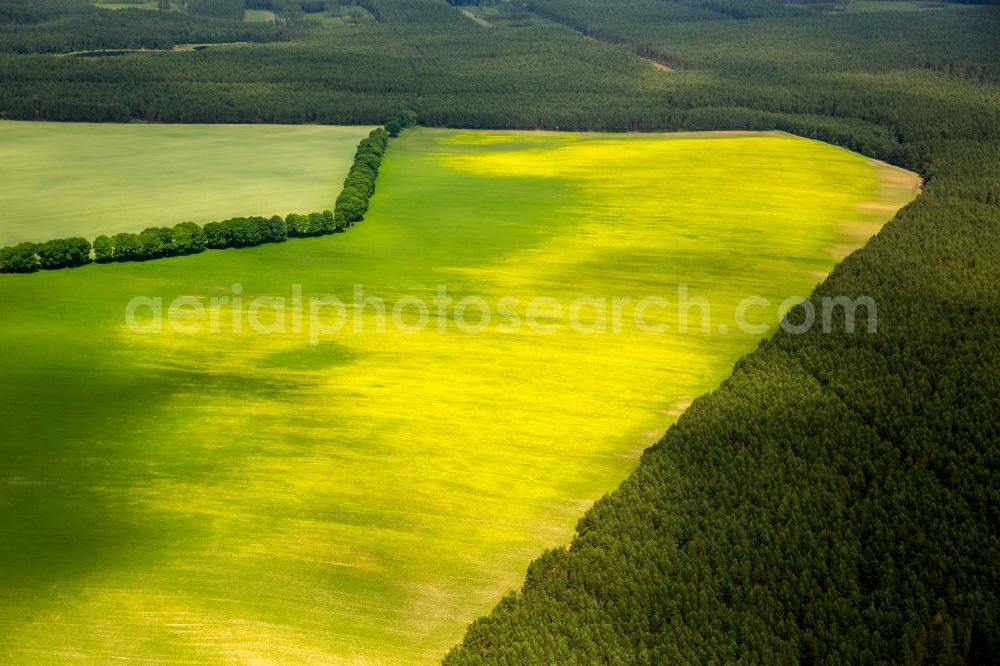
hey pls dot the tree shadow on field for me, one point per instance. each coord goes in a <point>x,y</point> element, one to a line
<point>72,452</point>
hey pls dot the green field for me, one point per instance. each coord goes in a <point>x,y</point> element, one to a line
<point>124,4</point>
<point>900,6</point>
<point>259,15</point>
<point>71,179</point>
<point>238,497</point>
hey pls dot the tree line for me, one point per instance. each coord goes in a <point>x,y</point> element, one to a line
<point>359,186</point>
<point>237,232</point>
<point>56,253</point>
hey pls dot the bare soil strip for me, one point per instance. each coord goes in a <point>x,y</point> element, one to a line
<point>481,21</point>
<point>657,65</point>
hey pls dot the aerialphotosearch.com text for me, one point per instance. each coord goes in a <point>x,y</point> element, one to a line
<point>320,316</point>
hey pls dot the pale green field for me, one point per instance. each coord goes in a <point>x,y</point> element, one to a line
<point>132,4</point>
<point>258,16</point>
<point>248,498</point>
<point>900,6</point>
<point>73,179</point>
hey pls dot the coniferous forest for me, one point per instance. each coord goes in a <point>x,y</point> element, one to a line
<point>837,499</point>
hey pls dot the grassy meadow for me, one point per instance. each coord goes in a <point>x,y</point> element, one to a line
<point>74,179</point>
<point>239,497</point>
<point>900,6</point>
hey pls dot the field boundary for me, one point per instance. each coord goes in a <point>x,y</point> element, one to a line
<point>238,232</point>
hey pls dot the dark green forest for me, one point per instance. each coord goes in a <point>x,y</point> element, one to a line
<point>61,26</point>
<point>837,500</point>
